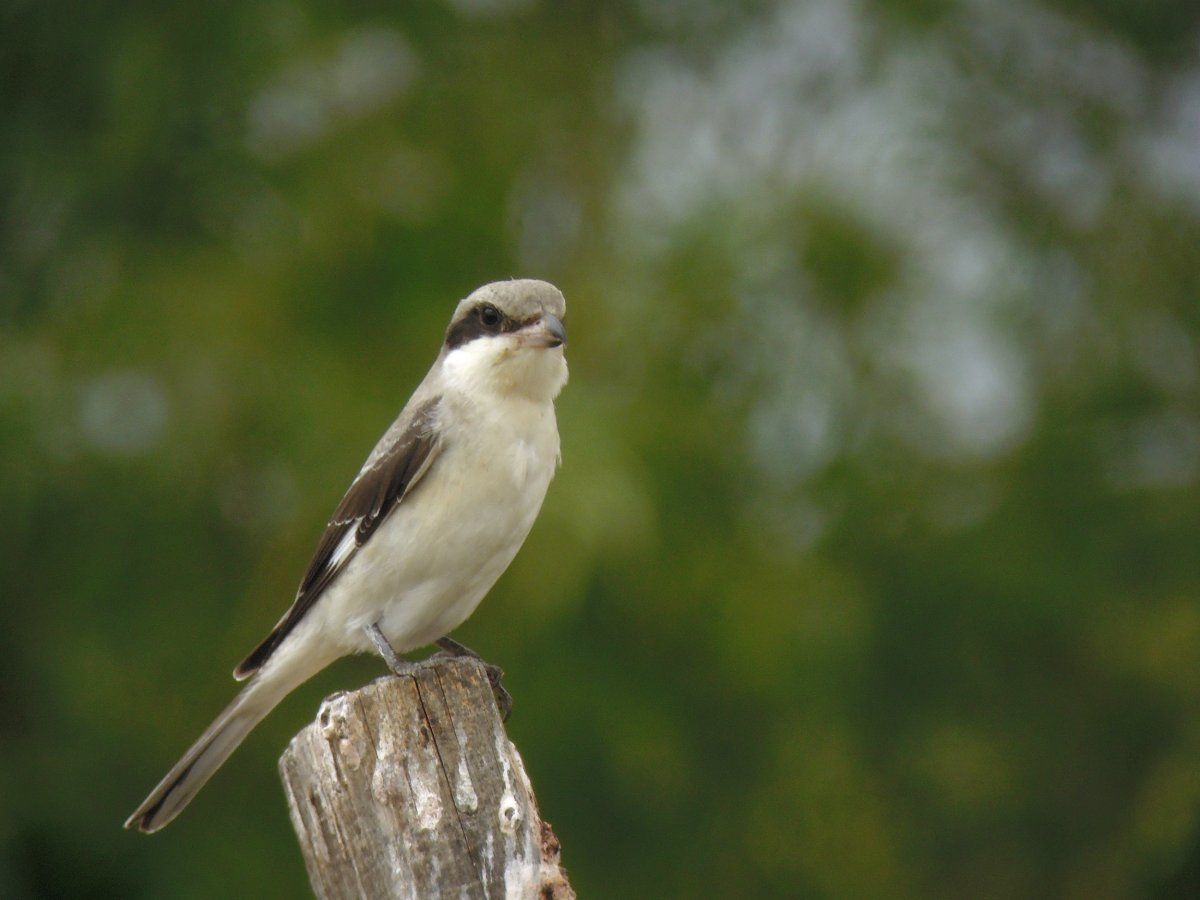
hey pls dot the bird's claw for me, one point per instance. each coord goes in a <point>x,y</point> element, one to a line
<point>504,700</point>
<point>453,650</point>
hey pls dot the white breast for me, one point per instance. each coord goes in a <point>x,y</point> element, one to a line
<point>428,566</point>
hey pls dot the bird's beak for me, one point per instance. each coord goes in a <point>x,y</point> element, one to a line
<point>548,332</point>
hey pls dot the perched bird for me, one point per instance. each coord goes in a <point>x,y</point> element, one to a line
<point>434,517</point>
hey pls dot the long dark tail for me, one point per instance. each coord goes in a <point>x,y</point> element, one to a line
<point>221,738</point>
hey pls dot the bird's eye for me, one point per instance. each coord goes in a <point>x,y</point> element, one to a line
<point>490,316</point>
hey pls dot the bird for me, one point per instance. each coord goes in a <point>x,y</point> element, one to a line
<point>434,517</point>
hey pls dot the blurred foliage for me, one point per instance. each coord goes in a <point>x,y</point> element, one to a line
<point>871,569</point>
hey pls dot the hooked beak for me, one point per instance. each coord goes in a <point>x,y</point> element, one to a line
<point>548,332</point>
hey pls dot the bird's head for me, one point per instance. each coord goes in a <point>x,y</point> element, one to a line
<point>508,338</point>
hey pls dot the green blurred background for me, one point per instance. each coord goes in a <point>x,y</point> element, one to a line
<point>872,566</point>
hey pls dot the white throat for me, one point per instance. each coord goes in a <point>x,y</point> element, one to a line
<point>495,366</point>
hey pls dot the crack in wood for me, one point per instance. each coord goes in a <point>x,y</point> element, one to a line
<point>475,861</point>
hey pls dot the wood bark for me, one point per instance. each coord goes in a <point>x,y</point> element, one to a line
<point>410,787</point>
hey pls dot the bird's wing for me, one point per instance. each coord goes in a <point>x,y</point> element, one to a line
<point>401,457</point>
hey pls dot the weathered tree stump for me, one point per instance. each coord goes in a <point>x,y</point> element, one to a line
<point>410,787</point>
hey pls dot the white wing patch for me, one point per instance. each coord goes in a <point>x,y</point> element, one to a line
<point>344,549</point>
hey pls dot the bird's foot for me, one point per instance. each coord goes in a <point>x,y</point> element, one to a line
<point>454,650</point>
<point>398,664</point>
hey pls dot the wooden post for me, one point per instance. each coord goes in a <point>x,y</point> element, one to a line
<point>409,787</point>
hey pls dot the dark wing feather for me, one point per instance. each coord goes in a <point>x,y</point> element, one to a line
<point>392,470</point>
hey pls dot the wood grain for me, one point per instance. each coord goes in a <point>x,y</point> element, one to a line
<point>410,787</point>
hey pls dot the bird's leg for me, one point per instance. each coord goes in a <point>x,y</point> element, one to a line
<point>504,699</point>
<point>454,648</point>
<point>395,662</point>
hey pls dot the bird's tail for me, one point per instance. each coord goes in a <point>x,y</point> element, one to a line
<point>221,738</point>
